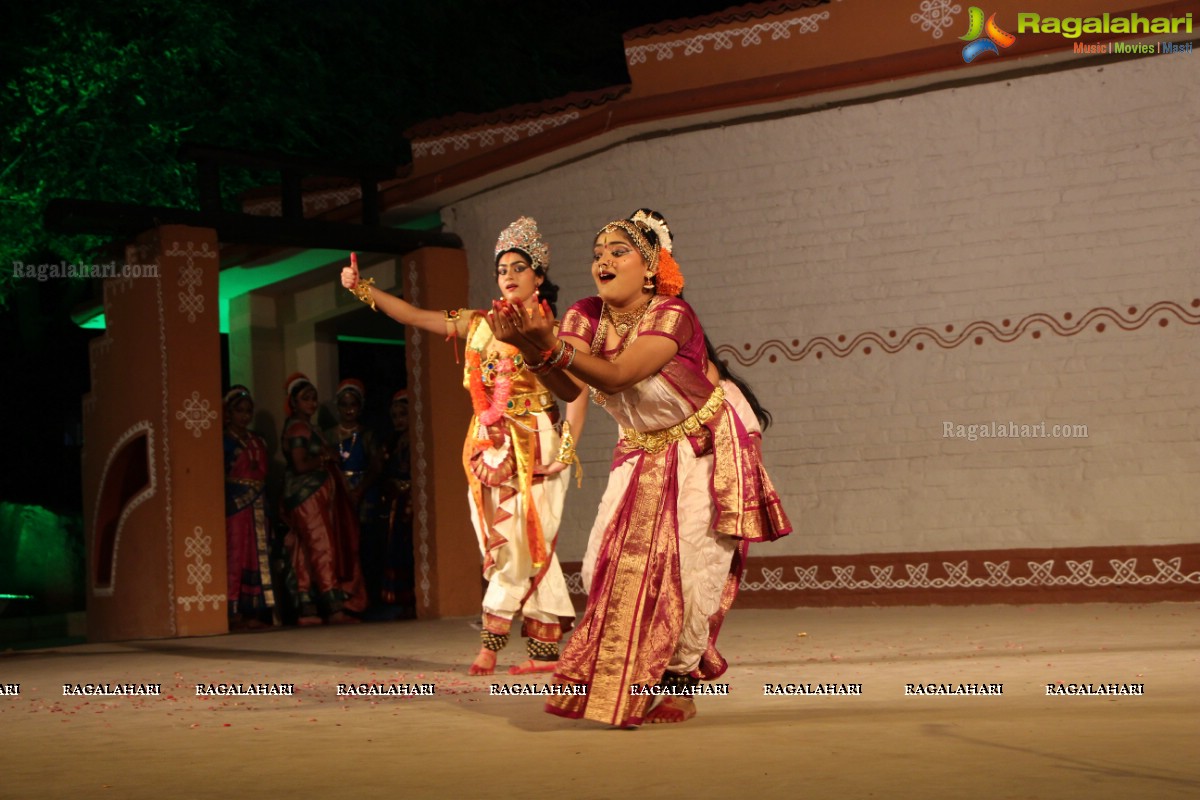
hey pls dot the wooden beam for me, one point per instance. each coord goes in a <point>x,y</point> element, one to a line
<point>127,220</point>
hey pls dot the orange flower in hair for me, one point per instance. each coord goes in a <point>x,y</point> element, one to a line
<point>670,279</point>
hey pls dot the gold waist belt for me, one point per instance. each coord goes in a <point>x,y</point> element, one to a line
<point>529,403</point>
<point>253,484</point>
<point>657,441</point>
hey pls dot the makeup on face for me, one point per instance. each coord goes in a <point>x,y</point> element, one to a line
<point>516,278</point>
<point>618,270</point>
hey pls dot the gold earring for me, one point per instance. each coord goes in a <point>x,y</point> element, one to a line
<point>648,285</point>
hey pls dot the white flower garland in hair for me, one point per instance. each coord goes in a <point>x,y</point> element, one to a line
<point>658,226</point>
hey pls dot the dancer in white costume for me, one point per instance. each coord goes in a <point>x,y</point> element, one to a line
<point>516,457</point>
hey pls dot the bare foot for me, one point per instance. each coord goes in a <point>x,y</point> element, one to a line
<point>484,663</point>
<point>672,709</point>
<point>529,665</point>
<point>341,618</point>
<point>307,621</point>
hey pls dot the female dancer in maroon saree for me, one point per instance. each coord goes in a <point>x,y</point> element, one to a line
<point>322,519</point>
<point>250,596</point>
<point>687,490</point>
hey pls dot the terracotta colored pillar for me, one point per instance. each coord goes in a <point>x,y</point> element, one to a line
<point>153,478</point>
<point>448,564</point>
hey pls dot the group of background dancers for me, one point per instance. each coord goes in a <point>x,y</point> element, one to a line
<point>345,504</point>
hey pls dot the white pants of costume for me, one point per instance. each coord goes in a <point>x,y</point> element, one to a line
<point>511,576</point>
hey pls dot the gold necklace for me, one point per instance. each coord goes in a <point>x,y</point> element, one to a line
<point>629,320</point>
<point>623,321</point>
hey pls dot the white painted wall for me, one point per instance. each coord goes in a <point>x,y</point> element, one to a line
<point>1053,193</point>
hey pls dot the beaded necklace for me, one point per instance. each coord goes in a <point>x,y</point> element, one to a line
<point>343,450</point>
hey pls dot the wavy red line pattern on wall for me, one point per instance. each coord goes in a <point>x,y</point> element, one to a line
<point>949,337</point>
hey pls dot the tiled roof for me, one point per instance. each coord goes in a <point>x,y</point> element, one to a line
<point>735,14</point>
<point>454,122</point>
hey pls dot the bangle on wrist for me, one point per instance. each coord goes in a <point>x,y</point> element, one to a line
<point>566,449</point>
<point>567,455</point>
<point>362,290</point>
<point>545,361</point>
<point>564,355</point>
<point>571,351</point>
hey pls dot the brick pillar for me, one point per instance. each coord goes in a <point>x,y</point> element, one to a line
<point>153,477</point>
<point>448,581</point>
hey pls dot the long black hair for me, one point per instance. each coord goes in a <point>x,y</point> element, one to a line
<point>764,416</point>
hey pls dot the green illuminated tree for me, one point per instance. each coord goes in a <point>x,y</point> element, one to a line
<point>97,98</point>
<point>98,101</point>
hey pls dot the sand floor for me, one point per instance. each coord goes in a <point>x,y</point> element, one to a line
<point>465,742</point>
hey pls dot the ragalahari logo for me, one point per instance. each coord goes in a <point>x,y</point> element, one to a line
<point>992,33</point>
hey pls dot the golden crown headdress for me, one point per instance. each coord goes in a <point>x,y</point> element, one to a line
<point>523,235</point>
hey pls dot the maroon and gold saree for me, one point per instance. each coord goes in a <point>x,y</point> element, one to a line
<point>685,468</point>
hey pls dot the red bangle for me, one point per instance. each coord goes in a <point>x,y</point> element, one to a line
<point>560,355</point>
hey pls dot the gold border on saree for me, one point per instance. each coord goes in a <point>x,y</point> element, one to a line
<point>657,441</point>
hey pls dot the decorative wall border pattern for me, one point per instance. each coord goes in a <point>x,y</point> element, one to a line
<point>413,353</point>
<point>198,547</point>
<point>166,445</point>
<point>314,202</point>
<point>723,40</point>
<point>728,16</point>
<point>1079,574</point>
<point>487,137</point>
<point>138,428</point>
<point>1006,331</point>
<point>935,15</point>
<point>1041,574</point>
<point>1094,574</point>
<point>197,414</point>
<point>190,277</point>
